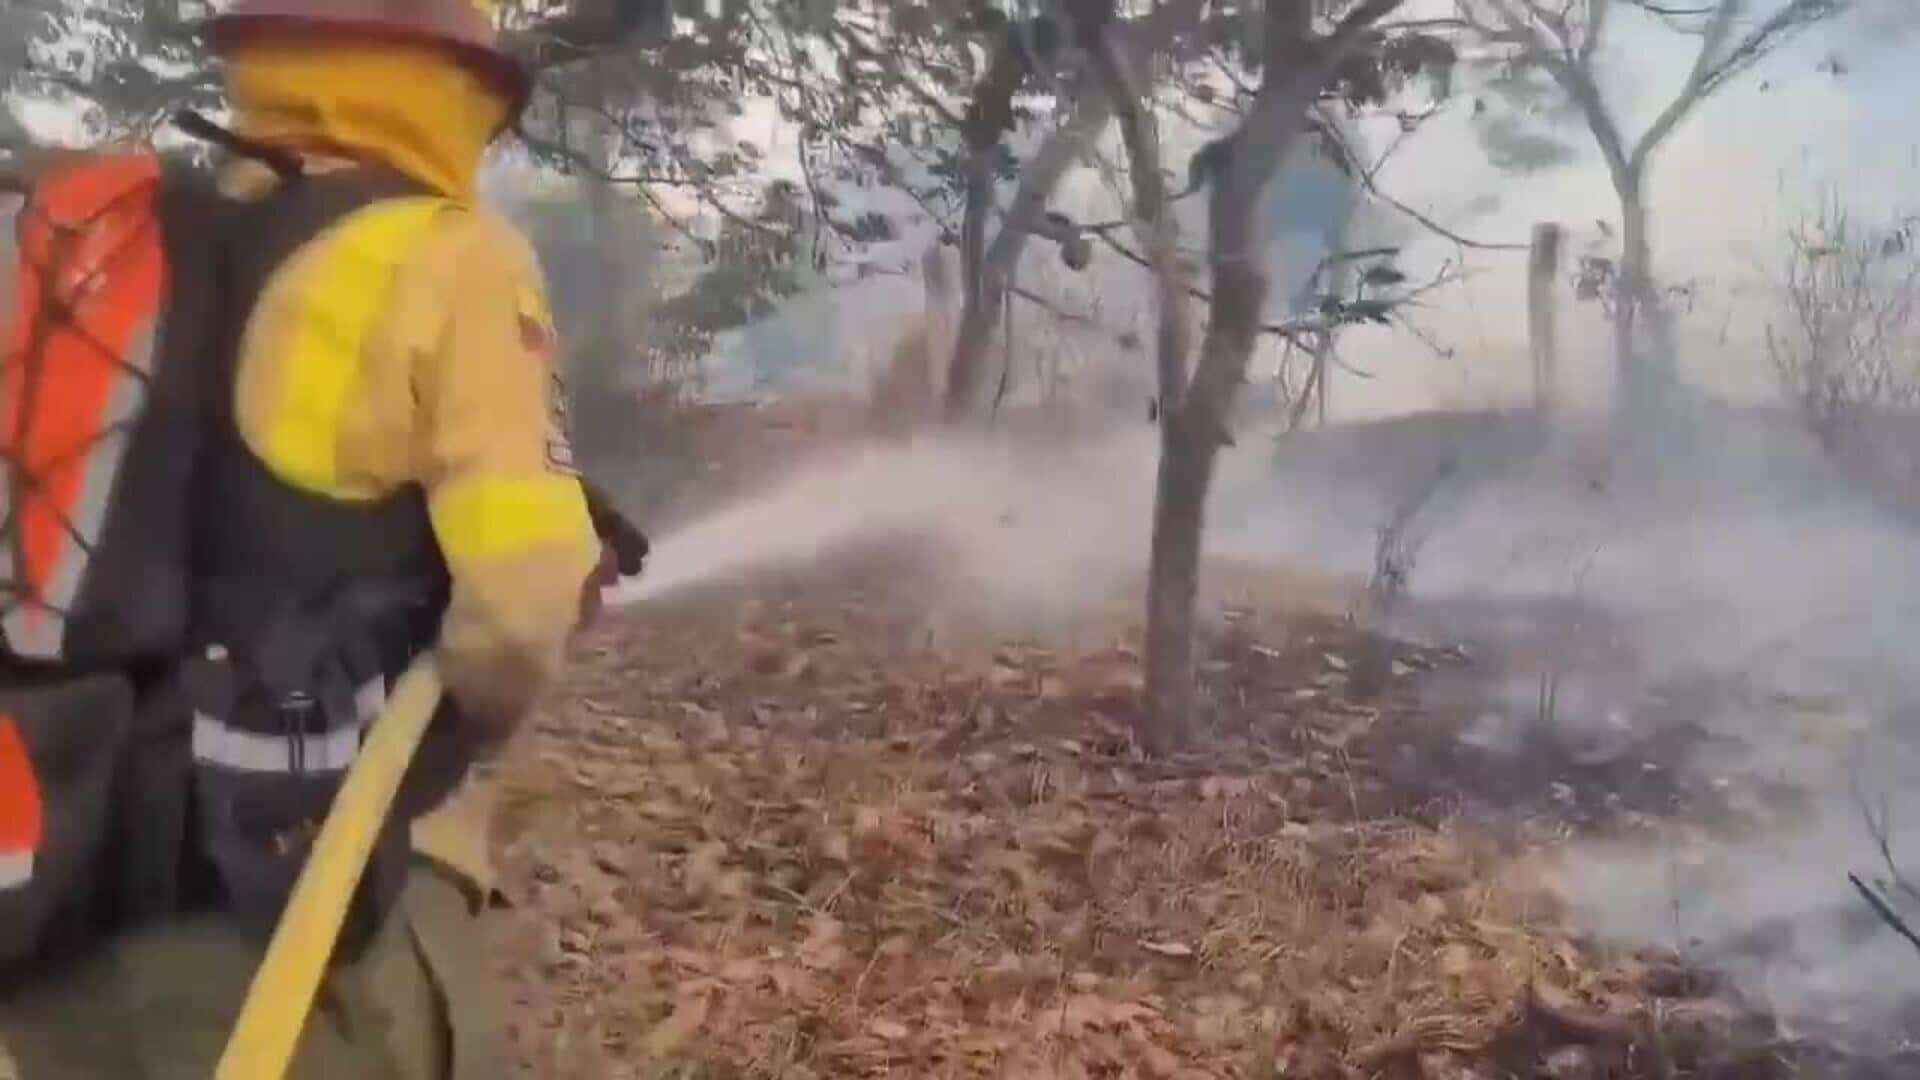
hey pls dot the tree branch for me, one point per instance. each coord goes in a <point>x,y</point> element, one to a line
<point>1598,13</point>
<point>1885,911</point>
<point>1292,329</point>
<point>1124,339</point>
<point>1369,181</point>
<point>1357,22</point>
<point>1296,69</point>
<point>579,160</point>
<point>1576,81</point>
<point>1778,28</point>
<point>1694,90</point>
<point>1153,219</point>
<point>891,65</point>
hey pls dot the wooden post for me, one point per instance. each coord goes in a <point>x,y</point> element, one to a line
<point>1323,372</point>
<point>1543,273</point>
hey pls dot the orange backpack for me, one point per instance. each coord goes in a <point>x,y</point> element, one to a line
<point>99,408</point>
<point>106,311</point>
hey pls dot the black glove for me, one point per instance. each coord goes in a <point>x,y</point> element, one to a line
<point>621,536</point>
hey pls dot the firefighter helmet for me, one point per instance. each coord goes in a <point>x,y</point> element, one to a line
<point>463,28</point>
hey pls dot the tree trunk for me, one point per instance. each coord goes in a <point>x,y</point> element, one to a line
<point>1193,433</point>
<point>967,363</point>
<point>985,294</point>
<point>1153,220</point>
<point>1186,459</point>
<point>1173,581</point>
<point>989,113</point>
<point>1543,314</point>
<point>1323,370</point>
<point>973,231</point>
<point>1644,366</point>
<point>604,408</point>
<point>1191,436</point>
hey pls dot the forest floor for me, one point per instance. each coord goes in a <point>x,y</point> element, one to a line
<point>773,830</point>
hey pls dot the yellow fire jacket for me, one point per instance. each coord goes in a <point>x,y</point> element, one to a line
<point>412,344</point>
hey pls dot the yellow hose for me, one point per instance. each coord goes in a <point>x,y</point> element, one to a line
<point>275,1011</point>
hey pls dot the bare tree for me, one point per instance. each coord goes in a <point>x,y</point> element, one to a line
<point>1152,210</point>
<point>1298,66</point>
<point>1845,343</point>
<point>1041,47</point>
<point>1300,70</point>
<point>987,276</point>
<point>1565,39</point>
<point>902,113</point>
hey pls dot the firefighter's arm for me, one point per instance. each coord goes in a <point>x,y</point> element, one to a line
<point>627,547</point>
<point>507,508</point>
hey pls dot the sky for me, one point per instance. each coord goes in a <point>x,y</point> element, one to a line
<point>1724,191</point>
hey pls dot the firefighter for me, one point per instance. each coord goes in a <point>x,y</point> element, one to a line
<point>388,472</point>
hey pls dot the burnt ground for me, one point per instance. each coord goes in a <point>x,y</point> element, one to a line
<point>768,831</point>
<point>775,829</point>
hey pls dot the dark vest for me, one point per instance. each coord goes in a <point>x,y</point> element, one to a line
<point>300,603</point>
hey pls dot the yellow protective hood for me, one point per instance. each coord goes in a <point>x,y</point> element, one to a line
<point>407,106</point>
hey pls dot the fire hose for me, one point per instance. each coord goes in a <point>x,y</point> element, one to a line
<point>283,989</point>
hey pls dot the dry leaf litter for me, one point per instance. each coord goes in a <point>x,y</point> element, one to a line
<point>772,837</point>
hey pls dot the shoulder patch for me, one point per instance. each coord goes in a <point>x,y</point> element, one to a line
<point>537,334</point>
<point>536,339</point>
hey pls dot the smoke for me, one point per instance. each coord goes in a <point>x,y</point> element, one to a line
<point>1738,557</point>
<point>1776,910</point>
<point>1735,554</point>
<point>1028,536</point>
<point>1879,26</point>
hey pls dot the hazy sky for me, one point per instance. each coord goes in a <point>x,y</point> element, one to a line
<point>1722,192</point>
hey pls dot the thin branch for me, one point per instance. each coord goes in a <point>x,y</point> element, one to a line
<point>1885,911</point>
<point>1292,329</point>
<point>1152,213</point>
<point>1061,314</point>
<point>1368,179</point>
<point>1575,80</point>
<point>1880,828</point>
<point>1125,339</point>
<point>675,223</point>
<point>581,162</point>
<point>1598,12</point>
<point>1695,88</point>
<point>1790,20</point>
<point>1666,12</point>
<point>1413,329</point>
<point>890,64</point>
<point>1357,22</point>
